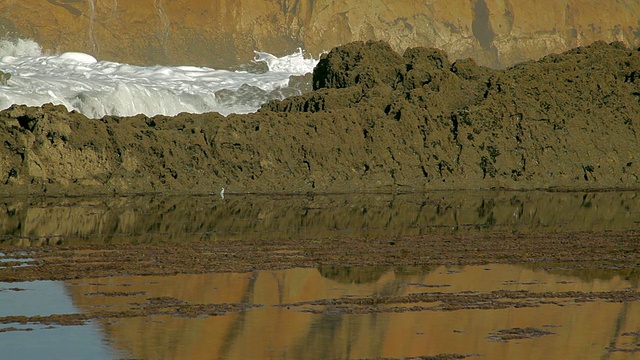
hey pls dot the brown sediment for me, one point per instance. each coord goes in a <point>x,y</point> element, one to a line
<point>432,357</point>
<point>588,249</point>
<point>506,335</point>
<point>115,293</point>
<point>573,250</point>
<point>499,299</point>
<point>11,328</point>
<point>626,347</point>
<point>612,249</point>
<point>625,350</point>
<point>154,306</point>
<point>551,251</point>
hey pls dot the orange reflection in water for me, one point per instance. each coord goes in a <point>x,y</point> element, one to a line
<point>581,330</point>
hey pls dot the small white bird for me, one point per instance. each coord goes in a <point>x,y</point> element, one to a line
<point>222,193</point>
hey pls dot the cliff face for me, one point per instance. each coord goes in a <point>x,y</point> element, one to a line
<point>377,121</point>
<point>222,33</point>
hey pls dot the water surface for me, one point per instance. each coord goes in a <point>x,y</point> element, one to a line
<point>280,326</point>
<point>314,313</point>
<point>41,341</point>
<point>33,221</point>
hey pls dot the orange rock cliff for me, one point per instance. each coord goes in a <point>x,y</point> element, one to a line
<point>221,33</point>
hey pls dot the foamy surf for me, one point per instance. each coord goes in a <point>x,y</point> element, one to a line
<point>98,88</point>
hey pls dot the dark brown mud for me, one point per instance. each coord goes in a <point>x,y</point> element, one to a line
<point>378,121</point>
<point>611,249</point>
<point>505,335</point>
<point>152,307</point>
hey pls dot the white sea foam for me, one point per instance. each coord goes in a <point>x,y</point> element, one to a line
<point>20,47</point>
<point>97,88</point>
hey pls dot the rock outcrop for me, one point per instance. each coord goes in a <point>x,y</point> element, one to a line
<point>4,77</point>
<point>377,121</point>
<point>224,33</point>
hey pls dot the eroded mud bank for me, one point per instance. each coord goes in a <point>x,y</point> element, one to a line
<point>377,121</point>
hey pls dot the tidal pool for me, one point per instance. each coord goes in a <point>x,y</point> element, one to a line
<point>588,307</point>
<point>342,313</point>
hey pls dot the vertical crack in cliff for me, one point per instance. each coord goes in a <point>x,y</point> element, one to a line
<point>481,26</point>
<point>164,24</point>
<point>482,30</point>
<point>72,10</point>
<point>290,7</point>
<point>92,13</point>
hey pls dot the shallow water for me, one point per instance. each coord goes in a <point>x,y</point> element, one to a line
<point>281,327</point>
<point>42,341</point>
<point>322,313</point>
<point>33,221</point>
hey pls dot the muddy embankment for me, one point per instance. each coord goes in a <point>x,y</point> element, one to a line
<point>377,121</point>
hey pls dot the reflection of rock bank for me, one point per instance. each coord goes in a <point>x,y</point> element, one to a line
<point>392,322</point>
<point>155,219</point>
<point>377,121</point>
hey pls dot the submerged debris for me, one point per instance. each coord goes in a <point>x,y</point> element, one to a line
<point>506,335</point>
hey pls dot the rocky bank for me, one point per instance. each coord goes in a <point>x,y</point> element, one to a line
<point>376,121</point>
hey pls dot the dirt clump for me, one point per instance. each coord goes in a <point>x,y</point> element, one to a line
<point>377,121</point>
<point>506,335</point>
<point>155,306</point>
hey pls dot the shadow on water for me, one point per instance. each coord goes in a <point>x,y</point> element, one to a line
<point>33,221</point>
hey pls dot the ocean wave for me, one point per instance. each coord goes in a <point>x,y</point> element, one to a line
<point>97,88</point>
